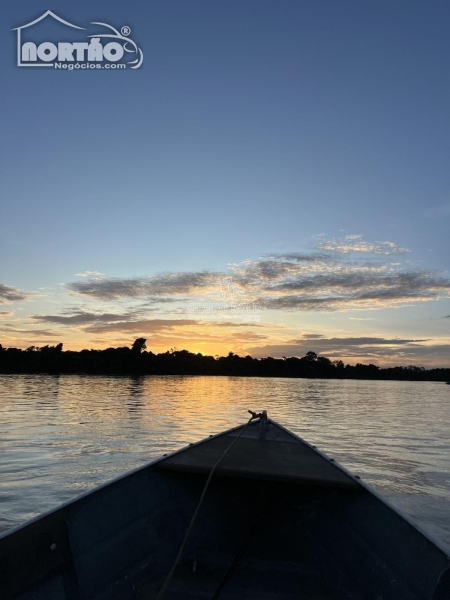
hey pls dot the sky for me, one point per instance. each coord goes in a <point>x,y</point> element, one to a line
<point>272,179</point>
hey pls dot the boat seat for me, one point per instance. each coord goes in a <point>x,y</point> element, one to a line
<point>261,459</point>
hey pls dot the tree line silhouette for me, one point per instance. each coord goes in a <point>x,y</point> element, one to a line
<point>138,361</point>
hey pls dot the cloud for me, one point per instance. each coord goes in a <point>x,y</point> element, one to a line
<point>361,319</point>
<point>301,257</point>
<point>166,284</point>
<point>80,317</point>
<point>311,336</point>
<point>246,336</point>
<point>363,341</point>
<point>5,313</point>
<point>252,274</point>
<point>143,326</point>
<point>287,282</point>
<point>355,243</point>
<point>354,289</point>
<point>93,275</point>
<point>231,324</point>
<point>11,294</point>
<point>9,329</point>
<point>131,321</point>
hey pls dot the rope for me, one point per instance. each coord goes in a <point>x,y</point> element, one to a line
<point>200,502</point>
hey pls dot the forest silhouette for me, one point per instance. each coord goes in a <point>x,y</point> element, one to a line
<point>138,361</point>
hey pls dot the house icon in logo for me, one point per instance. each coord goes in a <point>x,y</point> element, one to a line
<point>20,50</point>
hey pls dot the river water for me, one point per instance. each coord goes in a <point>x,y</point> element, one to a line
<point>63,435</point>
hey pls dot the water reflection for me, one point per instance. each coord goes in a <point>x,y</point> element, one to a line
<point>135,399</point>
<point>62,435</point>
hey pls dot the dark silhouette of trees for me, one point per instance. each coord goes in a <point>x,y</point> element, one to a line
<point>139,345</point>
<point>137,360</point>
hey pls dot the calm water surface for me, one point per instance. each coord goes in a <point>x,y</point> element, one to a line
<point>60,436</point>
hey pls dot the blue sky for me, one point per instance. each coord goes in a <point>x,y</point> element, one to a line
<point>253,129</point>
